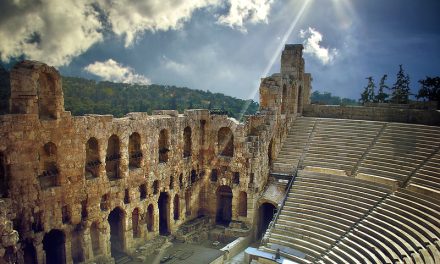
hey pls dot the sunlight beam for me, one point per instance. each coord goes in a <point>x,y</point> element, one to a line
<point>277,52</point>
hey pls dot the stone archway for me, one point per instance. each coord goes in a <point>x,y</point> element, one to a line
<point>266,212</point>
<point>164,213</point>
<point>29,253</point>
<point>116,220</point>
<point>224,205</point>
<point>54,246</point>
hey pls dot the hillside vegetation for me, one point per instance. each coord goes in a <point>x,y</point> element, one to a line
<point>83,96</point>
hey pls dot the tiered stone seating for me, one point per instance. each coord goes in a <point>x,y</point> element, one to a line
<point>338,144</point>
<point>398,152</point>
<point>426,180</point>
<point>404,228</point>
<point>320,208</point>
<point>294,145</point>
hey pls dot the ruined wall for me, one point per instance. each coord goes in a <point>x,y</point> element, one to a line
<point>386,114</point>
<point>75,180</point>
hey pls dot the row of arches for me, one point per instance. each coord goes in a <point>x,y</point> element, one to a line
<point>54,242</point>
<point>48,157</point>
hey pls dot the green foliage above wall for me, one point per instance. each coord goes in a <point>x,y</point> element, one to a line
<point>83,96</point>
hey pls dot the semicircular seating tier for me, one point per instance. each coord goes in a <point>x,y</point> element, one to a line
<point>365,192</point>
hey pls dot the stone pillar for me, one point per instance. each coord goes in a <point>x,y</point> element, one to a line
<point>87,244</point>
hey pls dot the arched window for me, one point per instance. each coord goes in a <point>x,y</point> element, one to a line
<point>225,142</point>
<point>176,205</point>
<point>156,187</point>
<point>150,218</point>
<point>143,191</point>
<point>135,223</point>
<point>171,182</point>
<point>92,159</point>
<point>134,149</point>
<point>112,158</point>
<point>242,204</point>
<point>164,146</point>
<point>187,142</point>
<point>49,173</point>
<point>214,175</point>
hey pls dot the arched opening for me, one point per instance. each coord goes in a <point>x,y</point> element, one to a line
<point>150,218</point>
<point>112,158</point>
<point>187,144</point>
<point>156,187</point>
<point>224,205</point>
<point>193,177</point>
<point>164,146</point>
<point>134,149</point>
<point>164,212</point>
<point>143,191</point>
<point>299,102</point>
<point>171,182</point>
<point>266,213</point>
<point>92,159</point>
<point>76,246</point>
<point>225,142</point>
<point>135,223</point>
<point>284,100</point>
<point>176,207</point>
<point>47,96</point>
<point>188,202</point>
<point>54,246</point>
<point>3,176</point>
<point>242,204</point>
<point>29,253</point>
<point>49,173</point>
<point>214,175</point>
<point>95,239</point>
<point>116,220</point>
<point>181,181</point>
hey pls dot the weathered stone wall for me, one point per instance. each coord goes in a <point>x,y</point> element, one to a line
<point>387,114</point>
<point>68,176</point>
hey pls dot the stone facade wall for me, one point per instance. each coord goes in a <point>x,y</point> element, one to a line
<point>56,192</point>
<point>386,114</point>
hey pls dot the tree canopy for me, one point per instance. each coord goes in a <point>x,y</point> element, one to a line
<point>327,98</point>
<point>83,96</point>
<point>400,91</point>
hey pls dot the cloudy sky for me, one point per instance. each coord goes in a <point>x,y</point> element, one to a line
<point>225,45</point>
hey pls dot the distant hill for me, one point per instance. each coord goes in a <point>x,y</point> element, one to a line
<point>82,96</point>
<point>326,98</point>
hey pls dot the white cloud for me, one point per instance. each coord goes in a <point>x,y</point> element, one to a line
<point>49,30</point>
<point>312,45</point>
<point>111,70</point>
<point>56,31</point>
<point>242,11</point>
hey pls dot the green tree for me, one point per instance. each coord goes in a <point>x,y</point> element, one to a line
<point>368,93</point>
<point>430,89</point>
<point>400,89</point>
<point>381,96</point>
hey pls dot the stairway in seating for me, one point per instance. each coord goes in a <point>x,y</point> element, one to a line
<point>293,146</point>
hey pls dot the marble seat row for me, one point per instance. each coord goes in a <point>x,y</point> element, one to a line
<point>294,144</point>
<point>339,144</point>
<point>319,210</point>
<point>398,153</point>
